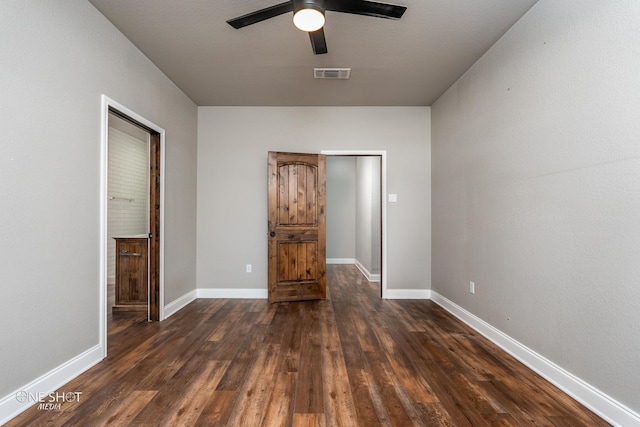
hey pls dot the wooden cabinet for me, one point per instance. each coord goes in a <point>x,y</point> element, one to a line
<point>131,292</point>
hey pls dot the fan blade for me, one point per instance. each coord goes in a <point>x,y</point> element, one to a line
<point>367,8</point>
<point>318,42</point>
<point>261,15</point>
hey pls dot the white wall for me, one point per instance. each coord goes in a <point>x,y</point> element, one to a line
<point>341,207</point>
<point>232,183</point>
<point>128,188</point>
<point>58,58</point>
<point>363,213</point>
<point>368,227</point>
<point>536,189</point>
<point>376,214</point>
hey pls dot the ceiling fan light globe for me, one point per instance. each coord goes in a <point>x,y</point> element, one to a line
<point>308,19</point>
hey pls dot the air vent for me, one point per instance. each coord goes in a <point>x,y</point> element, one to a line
<point>331,73</point>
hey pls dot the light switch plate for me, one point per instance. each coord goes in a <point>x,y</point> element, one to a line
<point>393,198</point>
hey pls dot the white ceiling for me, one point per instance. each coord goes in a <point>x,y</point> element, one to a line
<point>408,62</point>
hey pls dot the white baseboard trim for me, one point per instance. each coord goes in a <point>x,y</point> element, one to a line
<point>232,293</point>
<point>370,277</point>
<point>13,405</point>
<point>177,304</point>
<point>408,294</point>
<point>603,405</point>
<point>341,261</point>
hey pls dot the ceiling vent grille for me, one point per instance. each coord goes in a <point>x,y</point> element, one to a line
<point>331,73</point>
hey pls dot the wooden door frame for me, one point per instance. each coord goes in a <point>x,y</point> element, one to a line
<point>156,219</point>
<point>383,204</point>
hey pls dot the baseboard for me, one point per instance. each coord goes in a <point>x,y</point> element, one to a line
<point>603,405</point>
<point>20,400</point>
<point>341,261</point>
<point>408,294</point>
<point>370,277</point>
<point>177,304</point>
<point>232,293</point>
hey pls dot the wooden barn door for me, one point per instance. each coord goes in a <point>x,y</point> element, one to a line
<point>297,263</point>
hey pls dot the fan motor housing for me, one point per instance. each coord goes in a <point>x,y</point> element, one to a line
<point>308,4</point>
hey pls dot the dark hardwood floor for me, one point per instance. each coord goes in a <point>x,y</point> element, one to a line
<point>350,360</point>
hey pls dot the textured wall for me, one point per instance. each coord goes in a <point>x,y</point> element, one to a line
<point>341,207</point>
<point>368,227</point>
<point>376,214</point>
<point>58,58</point>
<point>536,178</point>
<point>363,212</point>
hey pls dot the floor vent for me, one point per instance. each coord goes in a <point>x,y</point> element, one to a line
<point>331,73</point>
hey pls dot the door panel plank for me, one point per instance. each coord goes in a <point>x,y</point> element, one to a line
<point>283,264</point>
<point>302,195</point>
<point>312,262</point>
<point>282,203</point>
<point>312,182</point>
<point>293,194</point>
<point>291,259</point>
<point>302,261</point>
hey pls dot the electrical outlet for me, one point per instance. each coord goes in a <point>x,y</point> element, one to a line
<point>472,287</point>
<point>248,268</point>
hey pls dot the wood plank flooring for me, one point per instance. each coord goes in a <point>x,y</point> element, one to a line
<point>351,360</point>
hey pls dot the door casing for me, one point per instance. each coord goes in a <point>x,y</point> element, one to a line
<point>108,105</point>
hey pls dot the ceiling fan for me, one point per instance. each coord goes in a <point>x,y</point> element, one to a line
<point>308,15</point>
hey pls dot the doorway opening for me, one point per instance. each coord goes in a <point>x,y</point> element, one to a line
<point>127,219</point>
<point>131,250</point>
<point>368,229</point>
